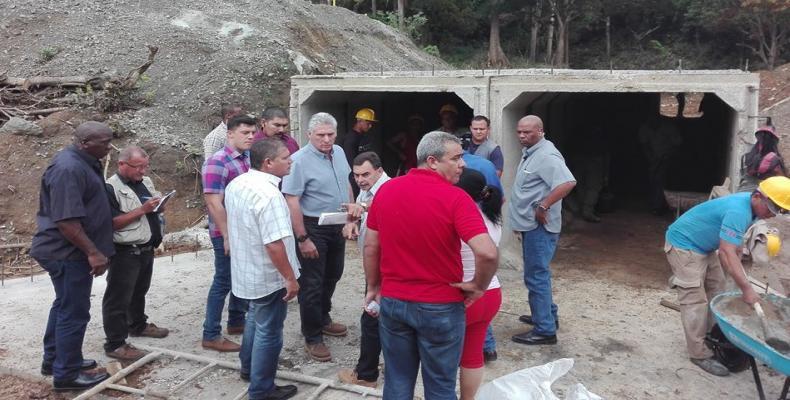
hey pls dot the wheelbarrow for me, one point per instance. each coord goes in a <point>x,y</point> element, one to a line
<point>750,343</point>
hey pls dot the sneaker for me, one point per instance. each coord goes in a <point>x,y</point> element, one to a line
<point>489,356</point>
<point>281,393</point>
<point>221,344</point>
<point>711,366</point>
<point>152,331</point>
<point>334,329</point>
<point>348,375</point>
<point>318,351</point>
<point>127,352</point>
<point>236,330</point>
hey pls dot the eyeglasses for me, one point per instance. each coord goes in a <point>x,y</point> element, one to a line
<point>773,208</point>
<point>137,167</point>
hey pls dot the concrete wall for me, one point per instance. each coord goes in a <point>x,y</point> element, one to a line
<point>504,95</point>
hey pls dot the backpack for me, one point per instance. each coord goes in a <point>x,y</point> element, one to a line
<point>735,359</point>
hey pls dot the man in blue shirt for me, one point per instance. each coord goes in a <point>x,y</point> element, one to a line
<point>691,245</point>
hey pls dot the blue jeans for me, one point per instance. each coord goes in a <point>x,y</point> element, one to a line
<point>68,316</point>
<point>262,342</point>
<point>489,346</point>
<point>538,246</point>
<point>220,288</point>
<point>414,335</point>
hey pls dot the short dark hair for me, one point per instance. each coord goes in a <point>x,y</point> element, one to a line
<point>264,149</point>
<point>274,112</point>
<point>241,120</point>
<point>227,108</point>
<point>482,118</point>
<point>368,156</point>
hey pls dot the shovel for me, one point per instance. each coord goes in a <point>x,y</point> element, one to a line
<point>772,338</point>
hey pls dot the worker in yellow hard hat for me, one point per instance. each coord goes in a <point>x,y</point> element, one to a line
<point>448,115</point>
<point>358,140</point>
<point>706,239</point>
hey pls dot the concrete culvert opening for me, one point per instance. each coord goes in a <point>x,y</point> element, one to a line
<point>393,111</point>
<point>584,112</point>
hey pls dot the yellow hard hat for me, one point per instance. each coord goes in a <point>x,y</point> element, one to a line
<point>777,188</point>
<point>448,108</point>
<point>773,244</point>
<point>366,114</point>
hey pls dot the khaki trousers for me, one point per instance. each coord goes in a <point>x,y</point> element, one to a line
<point>697,278</point>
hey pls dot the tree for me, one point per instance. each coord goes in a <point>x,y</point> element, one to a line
<point>500,13</point>
<point>767,26</point>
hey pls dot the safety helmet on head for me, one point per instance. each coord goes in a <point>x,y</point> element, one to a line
<point>777,189</point>
<point>366,114</point>
<point>448,108</point>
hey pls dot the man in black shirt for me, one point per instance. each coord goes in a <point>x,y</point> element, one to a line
<point>137,232</point>
<point>357,140</point>
<point>72,243</point>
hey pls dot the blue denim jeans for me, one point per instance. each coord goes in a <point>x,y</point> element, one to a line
<point>421,335</point>
<point>220,288</point>
<point>262,342</point>
<point>489,346</point>
<point>538,249</point>
<point>68,316</point>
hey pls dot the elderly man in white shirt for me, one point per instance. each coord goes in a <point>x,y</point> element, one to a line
<point>264,266</point>
<point>369,177</point>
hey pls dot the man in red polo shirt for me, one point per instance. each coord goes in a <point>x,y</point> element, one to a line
<point>413,269</point>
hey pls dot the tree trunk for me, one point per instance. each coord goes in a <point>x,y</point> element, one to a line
<point>401,12</point>
<point>608,39</point>
<point>559,53</point>
<point>550,42</point>
<point>373,7</point>
<point>534,30</point>
<point>496,56</point>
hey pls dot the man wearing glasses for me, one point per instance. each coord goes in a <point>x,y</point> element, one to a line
<point>691,246</point>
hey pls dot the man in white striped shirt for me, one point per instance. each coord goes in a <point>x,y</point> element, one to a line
<point>264,266</point>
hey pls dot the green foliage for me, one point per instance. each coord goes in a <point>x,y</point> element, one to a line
<point>412,25</point>
<point>432,49</point>
<point>48,53</point>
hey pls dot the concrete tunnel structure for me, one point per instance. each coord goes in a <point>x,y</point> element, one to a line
<point>569,102</point>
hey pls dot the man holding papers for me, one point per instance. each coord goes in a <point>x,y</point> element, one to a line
<point>318,183</point>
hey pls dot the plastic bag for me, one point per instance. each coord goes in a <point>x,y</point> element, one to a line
<point>533,384</point>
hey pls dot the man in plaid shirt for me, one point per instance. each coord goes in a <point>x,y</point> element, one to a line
<point>218,171</point>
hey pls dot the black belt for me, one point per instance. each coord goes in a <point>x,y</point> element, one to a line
<point>133,248</point>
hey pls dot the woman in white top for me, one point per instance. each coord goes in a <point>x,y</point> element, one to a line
<point>482,311</point>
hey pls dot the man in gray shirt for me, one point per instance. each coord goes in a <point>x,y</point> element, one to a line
<point>542,181</point>
<point>318,183</point>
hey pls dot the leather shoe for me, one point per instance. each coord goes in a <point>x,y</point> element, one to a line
<point>46,368</point>
<point>151,330</point>
<point>127,352</point>
<point>236,330</point>
<point>334,329</point>
<point>221,344</point>
<point>532,338</point>
<point>245,376</point>
<point>527,319</point>
<point>281,393</point>
<point>81,382</point>
<point>489,356</point>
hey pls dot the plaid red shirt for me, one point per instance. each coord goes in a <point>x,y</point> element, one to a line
<point>223,167</point>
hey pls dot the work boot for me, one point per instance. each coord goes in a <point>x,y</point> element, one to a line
<point>151,331</point>
<point>348,375</point>
<point>318,351</point>
<point>334,329</point>
<point>236,330</point>
<point>221,344</point>
<point>711,366</point>
<point>127,352</point>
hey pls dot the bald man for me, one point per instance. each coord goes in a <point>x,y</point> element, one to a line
<point>542,181</point>
<point>137,232</point>
<point>73,242</point>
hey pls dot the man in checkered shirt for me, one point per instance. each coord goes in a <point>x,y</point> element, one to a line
<point>218,171</point>
<point>264,264</point>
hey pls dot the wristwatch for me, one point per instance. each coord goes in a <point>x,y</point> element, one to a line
<point>302,239</point>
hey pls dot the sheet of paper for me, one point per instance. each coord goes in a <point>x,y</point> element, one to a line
<point>333,218</point>
<point>164,200</point>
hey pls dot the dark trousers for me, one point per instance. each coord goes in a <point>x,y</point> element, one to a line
<point>68,316</point>
<point>123,306</point>
<point>369,348</point>
<point>319,277</point>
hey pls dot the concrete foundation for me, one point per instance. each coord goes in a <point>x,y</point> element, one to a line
<point>569,101</point>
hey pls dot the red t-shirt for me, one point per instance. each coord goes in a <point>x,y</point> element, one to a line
<point>421,219</point>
